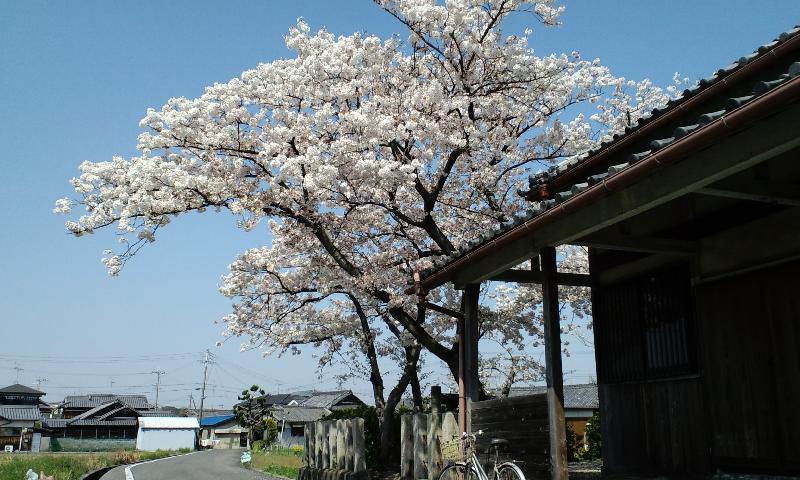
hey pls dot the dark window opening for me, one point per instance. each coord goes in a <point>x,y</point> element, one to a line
<point>645,328</point>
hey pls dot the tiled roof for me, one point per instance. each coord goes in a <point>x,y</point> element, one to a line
<point>17,388</point>
<point>575,396</point>
<point>20,412</point>
<point>139,402</point>
<point>621,163</point>
<point>299,414</point>
<point>325,399</point>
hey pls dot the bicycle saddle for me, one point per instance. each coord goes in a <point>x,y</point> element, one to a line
<point>499,443</point>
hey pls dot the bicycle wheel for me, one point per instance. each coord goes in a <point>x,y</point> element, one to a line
<point>456,472</point>
<point>509,471</point>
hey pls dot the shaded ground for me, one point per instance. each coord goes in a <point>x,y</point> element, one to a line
<point>206,465</point>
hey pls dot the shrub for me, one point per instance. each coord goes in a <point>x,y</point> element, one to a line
<point>258,446</point>
<point>270,430</point>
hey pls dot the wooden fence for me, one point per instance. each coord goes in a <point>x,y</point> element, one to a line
<point>421,436</point>
<point>335,445</point>
<point>520,420</point>
<point>523,422</point>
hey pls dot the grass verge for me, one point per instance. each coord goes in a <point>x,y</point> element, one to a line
<point>71,466</point>
<point>278,461</point>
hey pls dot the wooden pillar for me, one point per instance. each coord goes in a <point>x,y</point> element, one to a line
<point>468,383</point>
<point>553,371</point>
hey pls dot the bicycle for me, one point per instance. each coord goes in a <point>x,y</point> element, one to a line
<point>468,467</point>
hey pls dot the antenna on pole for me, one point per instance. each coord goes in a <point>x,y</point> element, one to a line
<point>39,382</point>
<point>207,360</point>
<point>18,369</point>
<point>158,372</point>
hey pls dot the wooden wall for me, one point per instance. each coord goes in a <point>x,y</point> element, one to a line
<point>523,422</point>
<point>752,368</point>
<point>738,411</point>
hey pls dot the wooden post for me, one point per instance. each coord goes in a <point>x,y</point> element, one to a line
<point>326,445</point>
<point>553,373</point>
<point>434,447</point>
<point>406,447</point>
<point>309,435</point>
<point>319,444</point>
<point>359,448</point>
<point>332,444</point>
<point>341,454</point>
<point>348,445</point>
<point>468,356</point>
<point>420,446</point>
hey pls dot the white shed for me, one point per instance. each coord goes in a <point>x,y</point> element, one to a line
<point>166,433</point>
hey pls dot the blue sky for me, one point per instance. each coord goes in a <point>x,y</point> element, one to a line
<point>76,77</point>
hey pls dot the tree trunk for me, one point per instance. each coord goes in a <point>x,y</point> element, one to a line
<point>388,437</point>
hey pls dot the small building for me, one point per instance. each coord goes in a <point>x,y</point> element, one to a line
<point>292,420</point>
<point>222,431</point>
<point>20,417</point>
<point>166,433</point>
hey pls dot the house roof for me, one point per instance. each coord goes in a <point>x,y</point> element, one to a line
<point>20,412</point>
<point>18,388</point>
<point>571,178</point>
<point>216,420</point>
<point>138,402</point>
<point>583,396</point>
<point>325,399</point>
<point>169,422</point>
<point>299,413</point>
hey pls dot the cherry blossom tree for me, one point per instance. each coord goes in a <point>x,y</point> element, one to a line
<point>367,159</point>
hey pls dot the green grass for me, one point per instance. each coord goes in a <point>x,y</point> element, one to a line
<point>70,466</point>
<point>278,461</point>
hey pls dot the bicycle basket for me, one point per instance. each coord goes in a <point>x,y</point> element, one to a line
<point>451,450</point>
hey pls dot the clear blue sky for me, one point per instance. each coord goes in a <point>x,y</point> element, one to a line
<point>76,77</point>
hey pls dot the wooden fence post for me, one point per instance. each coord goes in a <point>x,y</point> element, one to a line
<point>434,446</point>
<point>348,445</point>
<point>420,446</point>
<point>359,446</point>
<point>326,445</point>
<point>341,453</point>
<point>318,444</point>
<point>332,444</point>
<point>310,436</point>
<point>406,447</point>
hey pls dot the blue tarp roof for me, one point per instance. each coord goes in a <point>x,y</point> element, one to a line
<point>211,421</point>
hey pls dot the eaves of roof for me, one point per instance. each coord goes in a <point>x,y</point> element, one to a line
<point>766,94</point>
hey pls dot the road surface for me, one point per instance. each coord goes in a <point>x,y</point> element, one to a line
<point>206,465</point>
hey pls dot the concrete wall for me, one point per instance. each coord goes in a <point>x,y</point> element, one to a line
<point>164,439</point>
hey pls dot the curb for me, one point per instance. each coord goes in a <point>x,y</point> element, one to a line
<point>97,474</point>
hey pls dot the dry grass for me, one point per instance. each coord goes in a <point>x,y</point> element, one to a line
<point>68,466</point>
<point>283,462</point>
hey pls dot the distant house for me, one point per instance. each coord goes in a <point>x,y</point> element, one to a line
<point>20,417</point>
<point>308,407</point>
<point>580,403</point>
<point>106,417</point>
<point>75,405</point>
<point>166,433</point>
<point>292,420</point>
<point>222,431</point>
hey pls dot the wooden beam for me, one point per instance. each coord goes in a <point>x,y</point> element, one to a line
<point>765,191</point>
<point>633,243</point>
<point>468,356</point>
<point>536,276</point>
<point>553,370</point>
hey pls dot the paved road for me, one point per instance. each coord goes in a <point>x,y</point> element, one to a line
<point>207,465</point>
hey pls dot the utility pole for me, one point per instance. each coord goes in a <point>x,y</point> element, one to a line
<point>39,382</point>
<point>18,369</point>
<point>158,372</point>
<point>111,383</point>
<point>206,362</point>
